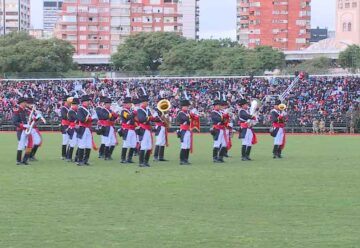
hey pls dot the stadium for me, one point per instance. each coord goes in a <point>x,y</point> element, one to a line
<point>122,125</point>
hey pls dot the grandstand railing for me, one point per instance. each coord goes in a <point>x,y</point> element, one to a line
<point>163,77</point>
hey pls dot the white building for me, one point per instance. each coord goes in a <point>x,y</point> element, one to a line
<point>190,18</point>
<point>14,16</point>
<point>51,11</point>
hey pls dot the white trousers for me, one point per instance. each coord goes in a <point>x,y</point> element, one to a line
<point>131,140</point>
<point>103,139</point>
<point>146,142</point>
<point>278,140</point>
<point>161,137</point>
<point>247,141</point>
<point>36,137</point>
<point>22,143</point>
<point>220,142</point>
<point>74,141</point>
<point>111,139</point>
<point>65,139</point>
<point>186,144</point>
<point>86,141</point>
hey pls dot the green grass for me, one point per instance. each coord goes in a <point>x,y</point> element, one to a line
<point>311,198</point>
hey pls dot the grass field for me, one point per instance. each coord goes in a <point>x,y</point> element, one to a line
<point>311,198</point>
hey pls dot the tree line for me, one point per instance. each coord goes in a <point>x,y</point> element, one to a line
<point>164,54</point>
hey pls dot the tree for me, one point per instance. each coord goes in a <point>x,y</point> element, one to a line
<point>21,53</point>
<point>269,58</point>
<point>350,58</point>
<point>144,51</point>
<point>320,65</point>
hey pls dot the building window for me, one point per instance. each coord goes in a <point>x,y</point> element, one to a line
<point>349,26</point>
<point>354,4</point>
<point>344,26</point>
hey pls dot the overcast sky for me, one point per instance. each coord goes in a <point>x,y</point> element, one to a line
<point>218,18</point>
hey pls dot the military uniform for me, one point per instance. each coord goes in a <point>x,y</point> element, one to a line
<point>107,120</point>
<point>64,126</point>
<point>99,129</point>
<point>161,134</point>
<point>185,135</point>
<point>35,132</point>
<point>128,133</point>
<point>72,113</point>
<point>247,134</point>
<point>85,139</point>
<point>145,136</point>
<point>278,132</point>
<point>219,134</point>
<point>24,141</point>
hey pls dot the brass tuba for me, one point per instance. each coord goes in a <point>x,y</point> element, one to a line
<point>163,106</point>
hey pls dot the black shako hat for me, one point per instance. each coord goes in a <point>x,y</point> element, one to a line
<point>127,100</point>
<point>75,101</point>
<point>242,102</point>
<point>85,98</point>
<point>21,100</point>
<point>185,103</point>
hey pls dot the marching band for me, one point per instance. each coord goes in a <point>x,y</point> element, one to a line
<point>138,126</point>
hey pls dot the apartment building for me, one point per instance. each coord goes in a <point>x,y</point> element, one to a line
<point>282,24</point>
<point>99,26</point>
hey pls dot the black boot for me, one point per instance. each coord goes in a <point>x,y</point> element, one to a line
<point>248,151</point>
<point>279,152</point>
<point>87,156</point>
<point>226,155</point>
<point>187,154</point>
<point>275,151</point>
<point>18,157</point>
<point>101,151</point>
<point>63,152</point>
<point>162,154</point>
<point>123,155</point>
<point>107,153</point>
<point>130,156</point>
<point>221,154</point>
<point>69,154</point>
<point>243,153</point>
<point>215,154</point>
<point>111,152</point>
<point>141,158</point>
<point>156,153</point>
<point>182,157</point>
<point>80,157</point>
<point>33,152</point>
<point>147,158</point>
<point>25,159</point>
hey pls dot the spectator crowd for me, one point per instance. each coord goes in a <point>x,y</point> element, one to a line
<point>327,99</point>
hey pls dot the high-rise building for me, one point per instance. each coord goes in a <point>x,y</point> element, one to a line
<point>14,16</point>
<point>51,11</point>
<point>282,24</point>
<point>318,34</point>
<point>348,22</point>
<point>99,26</point>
